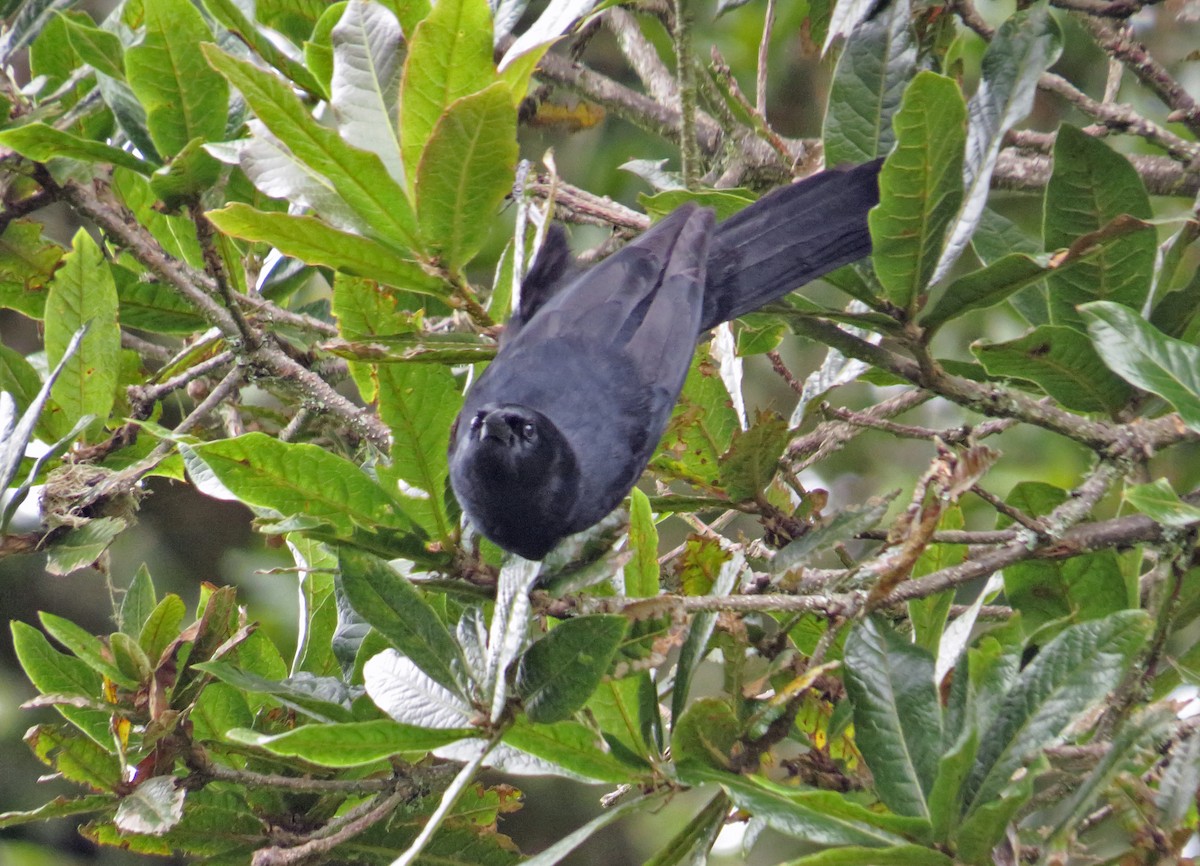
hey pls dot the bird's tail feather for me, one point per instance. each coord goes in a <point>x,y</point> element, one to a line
<point>788,238</point>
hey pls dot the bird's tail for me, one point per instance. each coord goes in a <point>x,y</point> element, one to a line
<point>788,238</point>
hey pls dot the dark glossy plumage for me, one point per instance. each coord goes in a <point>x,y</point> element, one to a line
<point>562,423</point>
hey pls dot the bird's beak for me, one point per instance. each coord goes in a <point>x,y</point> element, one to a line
<point>495,427</point>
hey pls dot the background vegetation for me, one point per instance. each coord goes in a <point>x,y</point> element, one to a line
<point>931,602</point>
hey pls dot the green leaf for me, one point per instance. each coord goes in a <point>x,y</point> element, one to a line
<point>365,84</point>
<point>350,744</point>
<point>898,855</point>
<point>572,746</point>
<point>753,457</point>
<point>391,604</point>
<point>54,673</point>
<point>291,479</point>
<point>313,241</point>
<point>701,427</point>
<point>161,626</point>
<point>1091,186</point>
<point>231,17</point>
<point>921,187</point>
<point>466,170</point>
<point>83,293</point>
<point>833,528</point>
<point>320,698</point>
<point>724,202</point>
<point>59,807</point>
<point>1063,363</point>
<point>76,757</point>
<point>154,306</point>
<point>641,572</point>
<point>184,99</point>
<point>83,545</point>
<point>816,817</point>
<point>1138,353</point>
<point>1160,502</point>
<point>449,57</point>
<point>85,646</point>
<point>318,606</point>
<point>986,826</point>
<point>220,708</point>
<point>27,263</point>
<point>696,837</point>
<point>41,143</point>
<point>1071,673</point>
<point>705,734</point>
<point>897,717</point>
<point>97,48</point>
<point>138,603</point>
<point>1022,48</point>
<point>877,62</point>
<point>557,675</point>
<point>358,177</point>
<point>18,378</point>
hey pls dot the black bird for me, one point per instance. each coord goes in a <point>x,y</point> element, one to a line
<point>562,423</point>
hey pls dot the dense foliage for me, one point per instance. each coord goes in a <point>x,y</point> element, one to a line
<point>286,272</point>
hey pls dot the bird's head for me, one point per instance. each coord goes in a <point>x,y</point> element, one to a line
<point>515,476</point>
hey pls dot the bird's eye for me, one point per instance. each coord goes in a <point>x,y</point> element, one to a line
<point>529,431</point>
<point>476,422</point>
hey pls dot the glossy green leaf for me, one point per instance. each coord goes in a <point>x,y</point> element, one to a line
<point>724,202</point>
<point>291,479</point>
<point>449,57</point>
<point>1159,501</point>
<point>897,855</point>
<point>184,98</point>
<point>1023,47</point>
<point>85,646</point>
<point>1071,673</point>
<point>324,699</point>
<point>1138,353</point>
<point>138,602</point>
<point>641,572</point>
<point>832,529</point>
<point>693,841</point>
<point>162,626</point>
<point>358,177</point>
<point>701,426</point>
<point>59,807</point>
<point>83,293</point>
<point>350,744</point>
<point>315,242</point>
<point>573,746</point>
<point>877,62</point>
<point>82,545</point>
<point>705,734</point>
<point>219,709</point>
<point>55,673</point>
<point>395,607</point>
<point>418,403</point>
<point>41,143</point>
<point>466,170</point>
<point>753,457</point>
<point>76,757</point>
<point>816,817</point>
<point>1091,186</point>
<point>98,48</point>
<point>897,718</point>
<point>921,185</point>
<point>234,20</point>
<point>557,675</point>
<point>365,83</point>
<point>1063,363</point>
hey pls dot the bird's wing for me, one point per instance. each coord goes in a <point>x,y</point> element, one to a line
<point>552,270</point>
<point>609,302</point>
